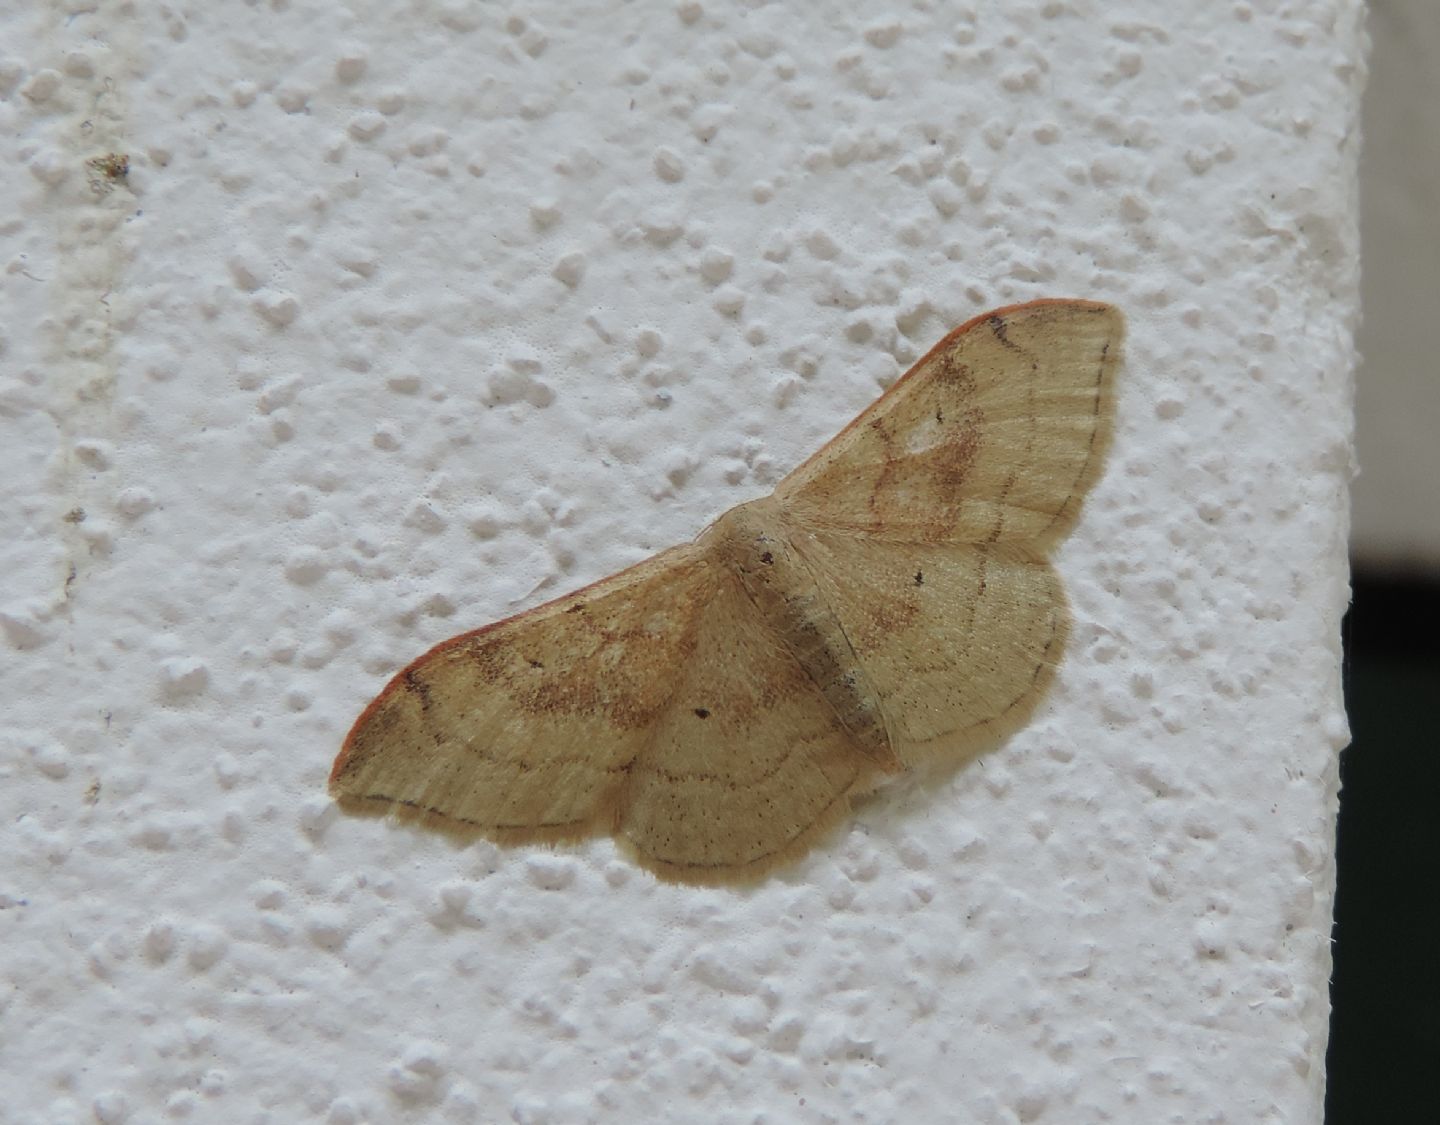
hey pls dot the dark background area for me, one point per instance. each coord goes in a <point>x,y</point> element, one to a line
<point>1384,1053</point>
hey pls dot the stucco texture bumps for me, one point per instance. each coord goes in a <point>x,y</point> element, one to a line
<point>404,317</point>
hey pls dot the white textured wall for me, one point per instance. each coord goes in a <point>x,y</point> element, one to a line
<point>412,314</point>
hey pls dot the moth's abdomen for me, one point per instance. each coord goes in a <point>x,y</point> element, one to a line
<point>757,549</point>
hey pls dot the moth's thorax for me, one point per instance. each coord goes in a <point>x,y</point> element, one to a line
<point>765,553</point>
<point>746,534</point>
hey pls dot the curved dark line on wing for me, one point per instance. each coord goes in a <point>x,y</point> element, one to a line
<point>464,819</point>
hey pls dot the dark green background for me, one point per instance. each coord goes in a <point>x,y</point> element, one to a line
<point>1384,1058</point>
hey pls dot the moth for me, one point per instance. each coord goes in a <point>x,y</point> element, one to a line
<point>717,707</point>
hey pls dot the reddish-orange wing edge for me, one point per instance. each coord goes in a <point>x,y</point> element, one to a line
<point>396,682</point>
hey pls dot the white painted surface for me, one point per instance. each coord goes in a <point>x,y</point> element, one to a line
<point>411,315</point>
